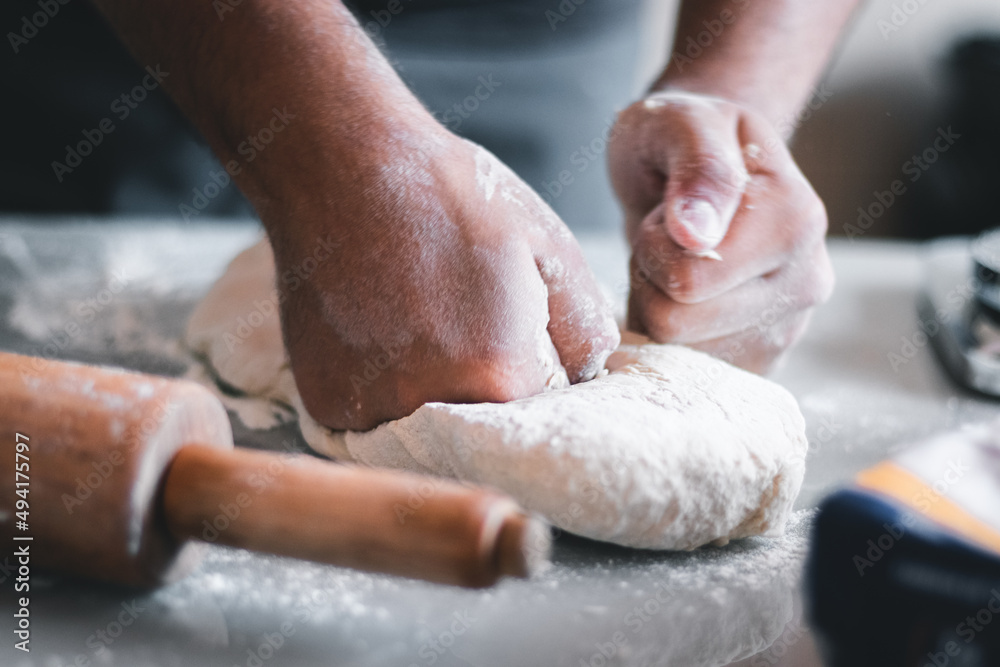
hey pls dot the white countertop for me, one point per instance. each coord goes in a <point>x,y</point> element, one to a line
<point>712,606</point>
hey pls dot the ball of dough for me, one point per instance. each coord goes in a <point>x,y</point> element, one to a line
<point>671,449</point>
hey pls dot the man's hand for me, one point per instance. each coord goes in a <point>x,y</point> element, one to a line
<point>698,167</point>
<point>448,280</point>
<point>453,281</point>
<point>697,174</point>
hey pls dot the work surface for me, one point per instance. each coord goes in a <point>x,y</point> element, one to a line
<point>120,292</point>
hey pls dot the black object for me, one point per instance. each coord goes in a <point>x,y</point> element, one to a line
<point>959,309</point>
<point>986,268</point>
<point>71,143</point>
<point>885,590</point>
<point>957,194</point>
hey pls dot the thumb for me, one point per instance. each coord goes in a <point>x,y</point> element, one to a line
<point>706,179</point>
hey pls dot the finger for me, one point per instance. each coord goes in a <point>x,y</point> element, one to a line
<point>653,252</point>
<point>635,320</point>
<point>690,278</point>
<point>757,304</point>
<point>581,324</point>
<point>777,210</point>
<point>751,305</point>
<point>703,162</point>
<point>759,351</point>
<point>780,218</point>
<point>754,350</point>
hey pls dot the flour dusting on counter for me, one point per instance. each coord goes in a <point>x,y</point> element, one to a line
<point>122,295</point>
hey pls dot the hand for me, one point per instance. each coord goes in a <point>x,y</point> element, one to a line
<point>412,266</point>
<point>451,280</point>
<point>701,179</point>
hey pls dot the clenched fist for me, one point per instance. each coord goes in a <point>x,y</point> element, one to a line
<point>452,277</point>
<point>727,236</point>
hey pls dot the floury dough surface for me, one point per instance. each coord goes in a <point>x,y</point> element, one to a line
<point>671,449</point>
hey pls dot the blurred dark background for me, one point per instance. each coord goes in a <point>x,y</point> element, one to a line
<point>908,73</point>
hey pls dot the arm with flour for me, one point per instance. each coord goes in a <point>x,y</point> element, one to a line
<point>413,266</point>
<point>670,449</point>
<point>701,164</point>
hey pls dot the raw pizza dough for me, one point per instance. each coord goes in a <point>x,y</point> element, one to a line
<point>671,449</point>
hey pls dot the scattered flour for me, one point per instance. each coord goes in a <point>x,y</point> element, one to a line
<point>488,173</point>
<point>110,292</point>
<point>702,609</point>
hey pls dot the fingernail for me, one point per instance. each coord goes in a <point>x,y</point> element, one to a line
<point>700,219</point>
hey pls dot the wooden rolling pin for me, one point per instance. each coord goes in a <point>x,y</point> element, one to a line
<point>128,475</point>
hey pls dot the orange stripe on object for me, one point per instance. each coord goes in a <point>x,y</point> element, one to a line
<point>900,484</point>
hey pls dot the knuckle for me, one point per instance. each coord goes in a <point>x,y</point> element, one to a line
<point>662,329</point>
<point>500,391</point>
<point>505,377</point>
<point>603,340</point>
<point>714,173</point>
<point>664,323</point>
<point>484,382</point>
<point>808,213</point>
<point>824,289</point>
<point>816,287</point>
<point>584,357</point>
<point>651,259</point>
<point>815,219</point>
<point>648,269</point>
<point>788,333</point>
<point>686,285</point>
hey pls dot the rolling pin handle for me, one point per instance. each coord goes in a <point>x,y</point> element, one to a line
<point>302,507</point>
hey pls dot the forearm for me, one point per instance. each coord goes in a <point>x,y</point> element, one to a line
<point>765,54</point>
<point>342,107</point>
